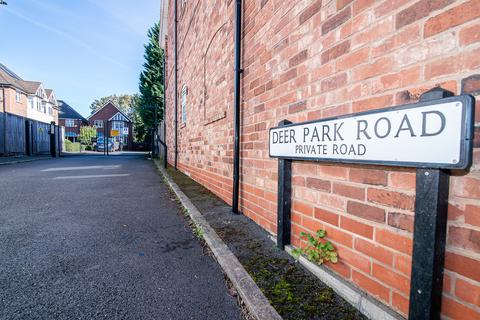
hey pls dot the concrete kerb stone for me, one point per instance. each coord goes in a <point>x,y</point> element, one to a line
<point>23,160</point>
<point>255,301</point>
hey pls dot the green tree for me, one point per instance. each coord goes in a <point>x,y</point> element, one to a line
<point>140,130</point>
<point>122,101</point>
<point>86,134</point>
<point>140,108</point>
<point>151,80</point>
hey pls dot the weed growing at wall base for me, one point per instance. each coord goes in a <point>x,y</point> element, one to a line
<point>317,250</point>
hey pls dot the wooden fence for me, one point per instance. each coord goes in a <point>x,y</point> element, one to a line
<point>22,136</point>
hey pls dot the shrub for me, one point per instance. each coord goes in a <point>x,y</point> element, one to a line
<point>67,144</point>
<point>72,146</point>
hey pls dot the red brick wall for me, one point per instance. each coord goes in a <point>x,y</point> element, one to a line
<point>205,63</point>
<point>78,123</point>
<point>11,105</point>
<point>306,60</point>
<point>105,113</point>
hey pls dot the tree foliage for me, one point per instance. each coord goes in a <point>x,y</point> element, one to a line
<point>140,131</point>
<point>140,108</point>
<point>151,80</point>
<point>86,134</point>
<point>122,101</point>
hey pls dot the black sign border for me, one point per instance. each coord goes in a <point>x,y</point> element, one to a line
<point>465,161</point>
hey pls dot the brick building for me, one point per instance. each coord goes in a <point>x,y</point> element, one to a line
<point>27,99</point>
<point>117,121</point>
<point>308,60</point>
<point>69,118</point>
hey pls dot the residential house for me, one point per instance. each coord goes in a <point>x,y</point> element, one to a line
<point>42,105</point>
<point>13,95</point>
<point>52,104</point>
<point>119,126</point>
<point>28,99</point>
<point>69,118</point>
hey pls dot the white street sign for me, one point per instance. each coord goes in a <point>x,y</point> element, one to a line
<point>430,134</point>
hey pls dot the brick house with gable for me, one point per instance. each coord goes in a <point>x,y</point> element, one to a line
<point>308,60</point>
<point>117,120</point>
<point>69,118</point>
<point>25,98</point>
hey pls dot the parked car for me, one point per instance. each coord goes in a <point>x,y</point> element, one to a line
<point>100,145</point>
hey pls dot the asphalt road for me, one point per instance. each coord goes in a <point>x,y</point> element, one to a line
<point>101,238</point>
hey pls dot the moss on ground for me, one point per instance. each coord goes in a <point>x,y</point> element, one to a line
<point>292,290</point>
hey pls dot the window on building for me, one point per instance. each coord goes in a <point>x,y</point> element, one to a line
<point>183,6</point>
<point>117,125</point>
<point>1,95</point>
<point>50,110</point>
<point>44,107</point>
<point>17,96</point>
<point>184,104</point>
<point>69,123</point>
<point>39,106</point>
<point>98,123</point>
<point>30,102</point>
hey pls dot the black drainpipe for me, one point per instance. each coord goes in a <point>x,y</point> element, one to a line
<point>4,122</point>
<point>238,71</point>
<point>165,108</point>
<point>176,84</point>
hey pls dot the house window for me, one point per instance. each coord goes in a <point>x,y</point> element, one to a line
<point>183,6</point>
<point>30,102</point>
<point>44,107</point>
<point>184,104</point>
<point>69,123</point>
<point>39,106</point>
<point>17,96</point>
<point>1,95</point>
<point>117,125</point>
<point>50,111</point>
<point>98,123</point>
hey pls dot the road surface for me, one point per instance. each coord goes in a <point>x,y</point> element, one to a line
<point>94,237</point>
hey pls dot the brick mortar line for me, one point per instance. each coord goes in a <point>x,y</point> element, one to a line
<point>257,304</point>
<point>395,71</point>
<point>388,209</point>
<point>463,252</point>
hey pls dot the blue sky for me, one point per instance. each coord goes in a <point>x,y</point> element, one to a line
<point>82,49</point>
